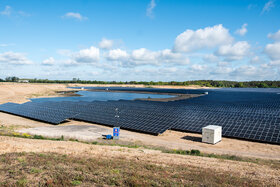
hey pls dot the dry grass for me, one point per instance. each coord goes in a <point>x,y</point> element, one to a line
<point>9,131</point>
<point>52,169</point>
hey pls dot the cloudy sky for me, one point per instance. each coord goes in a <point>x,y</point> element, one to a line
<point>149,40</point>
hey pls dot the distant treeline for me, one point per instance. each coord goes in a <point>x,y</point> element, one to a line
<point>205,83</point>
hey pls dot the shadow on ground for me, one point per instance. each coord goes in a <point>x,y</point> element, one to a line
<point>192,138</point>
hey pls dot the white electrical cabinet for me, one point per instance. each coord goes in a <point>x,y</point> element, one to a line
<point>212,134</point>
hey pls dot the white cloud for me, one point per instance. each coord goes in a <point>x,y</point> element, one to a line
<point>70,62</point>
<point>167,56</point>
<point>234,52</point>
<point>210,58</point>
<point>208,37</point>
<point>14,58</point>
<point>222,64</point>
<point>248,72</point>
<point>75,15</point>
<point>221,70</point>
<point>150,8</point>
<point>267,7</point>
<point>143,55</point>
<point>64,52</point>
<point>117,54</point>
<point>243,30</point>
<point>257,60</point>
<point>273,50</point>
<point>275,36</point>
<point>169,70</point>
<point>274,63</point>
<point>175,65</point>
<point>198,67</point>
<point>49,61</point>
<point>7,11</point>
<point>245,71</point>
<point>90,55</point>
<point>106,44</point>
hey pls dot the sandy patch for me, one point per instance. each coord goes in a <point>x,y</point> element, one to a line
<point>169,139</point>
<point>141,86</point>
<point>21,92</point>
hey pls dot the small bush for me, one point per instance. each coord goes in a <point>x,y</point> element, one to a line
<point>16,134</point>
<point>25,135</point>
<point>35,170</point>
<point>181,152</point>
<point>38,137</point>
<point>76,182</point>
<point>73,140</point>
<point>195,152</point>
<point>22,182</point>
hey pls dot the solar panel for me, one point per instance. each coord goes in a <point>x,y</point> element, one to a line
<point>242,114</point>
<point>35,111</point>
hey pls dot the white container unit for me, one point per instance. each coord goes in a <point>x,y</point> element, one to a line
<point>212,134</point>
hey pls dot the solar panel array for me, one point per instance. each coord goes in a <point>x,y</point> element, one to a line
<point>41,113</point>
<point>247,115</point>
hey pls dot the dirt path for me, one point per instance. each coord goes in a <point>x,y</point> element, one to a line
<point>170,139</point>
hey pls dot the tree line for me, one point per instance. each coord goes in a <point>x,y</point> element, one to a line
<point>205,83</point>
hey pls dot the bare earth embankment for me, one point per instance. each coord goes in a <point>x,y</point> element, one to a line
<point>25,161</point>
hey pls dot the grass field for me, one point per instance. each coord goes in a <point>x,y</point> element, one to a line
<point>55,169</point>
<point>52,169</point>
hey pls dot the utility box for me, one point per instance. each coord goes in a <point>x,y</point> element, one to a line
<point>212,134</point>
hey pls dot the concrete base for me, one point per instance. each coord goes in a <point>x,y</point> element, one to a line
<point>79,132</point>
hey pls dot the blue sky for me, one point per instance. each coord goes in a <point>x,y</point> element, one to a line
<point>150,40</point>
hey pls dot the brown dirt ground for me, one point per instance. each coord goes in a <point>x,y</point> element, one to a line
<point>251,170</point>
<point>140,86</point>
<point>170,139</point>
<point>20,92</point>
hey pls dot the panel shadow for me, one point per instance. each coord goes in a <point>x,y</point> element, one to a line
<point>192,138</point>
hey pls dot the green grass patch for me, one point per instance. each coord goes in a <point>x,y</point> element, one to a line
<point>38,137</point>
<point>76,182</point>
<point>22,182</point>
<point>35,170</point>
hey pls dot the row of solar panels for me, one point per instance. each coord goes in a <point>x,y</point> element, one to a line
<point>33,111</point>
<point>239,120</point>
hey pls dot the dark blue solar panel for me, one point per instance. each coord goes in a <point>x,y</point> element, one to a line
<point>242,114</point>
<point>34,111</point>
